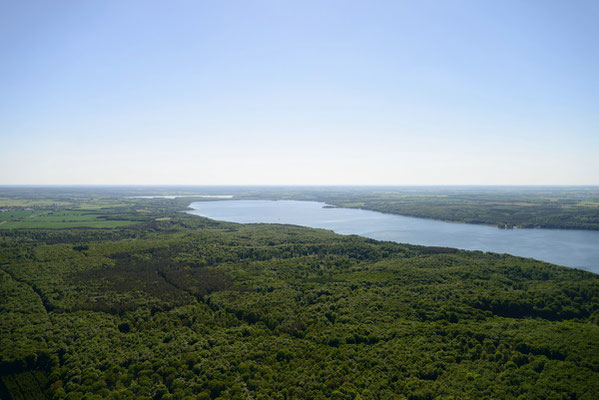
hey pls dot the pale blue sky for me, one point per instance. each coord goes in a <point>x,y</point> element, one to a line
<point>306,92</point>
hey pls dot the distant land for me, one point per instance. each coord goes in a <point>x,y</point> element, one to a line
<point>559,207</point>
<point>555,207</point>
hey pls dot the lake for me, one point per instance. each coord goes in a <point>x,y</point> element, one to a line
<point>573,248</point>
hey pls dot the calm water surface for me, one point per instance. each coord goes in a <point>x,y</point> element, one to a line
<point>574,248</point>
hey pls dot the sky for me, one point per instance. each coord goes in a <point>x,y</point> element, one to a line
<point>299,92</point>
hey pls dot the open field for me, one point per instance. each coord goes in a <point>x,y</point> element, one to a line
<point>10,203</point>
<point>57,219</point>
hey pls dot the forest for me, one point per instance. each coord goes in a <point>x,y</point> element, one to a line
<point>112,297</point>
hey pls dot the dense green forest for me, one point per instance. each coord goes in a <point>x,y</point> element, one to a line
<point>165,305</point>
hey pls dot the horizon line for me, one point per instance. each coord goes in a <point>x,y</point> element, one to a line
<point>290,185</point>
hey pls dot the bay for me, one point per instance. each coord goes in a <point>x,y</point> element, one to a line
<point>573,248</point>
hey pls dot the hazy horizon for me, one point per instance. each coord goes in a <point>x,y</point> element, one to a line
<point>309,93</point>
<point>167,185</point>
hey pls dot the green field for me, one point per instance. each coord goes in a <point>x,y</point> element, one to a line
<point>12,202</point>
<point>28,219</point>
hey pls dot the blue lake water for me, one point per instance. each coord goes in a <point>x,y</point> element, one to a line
<point>573,248</point>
